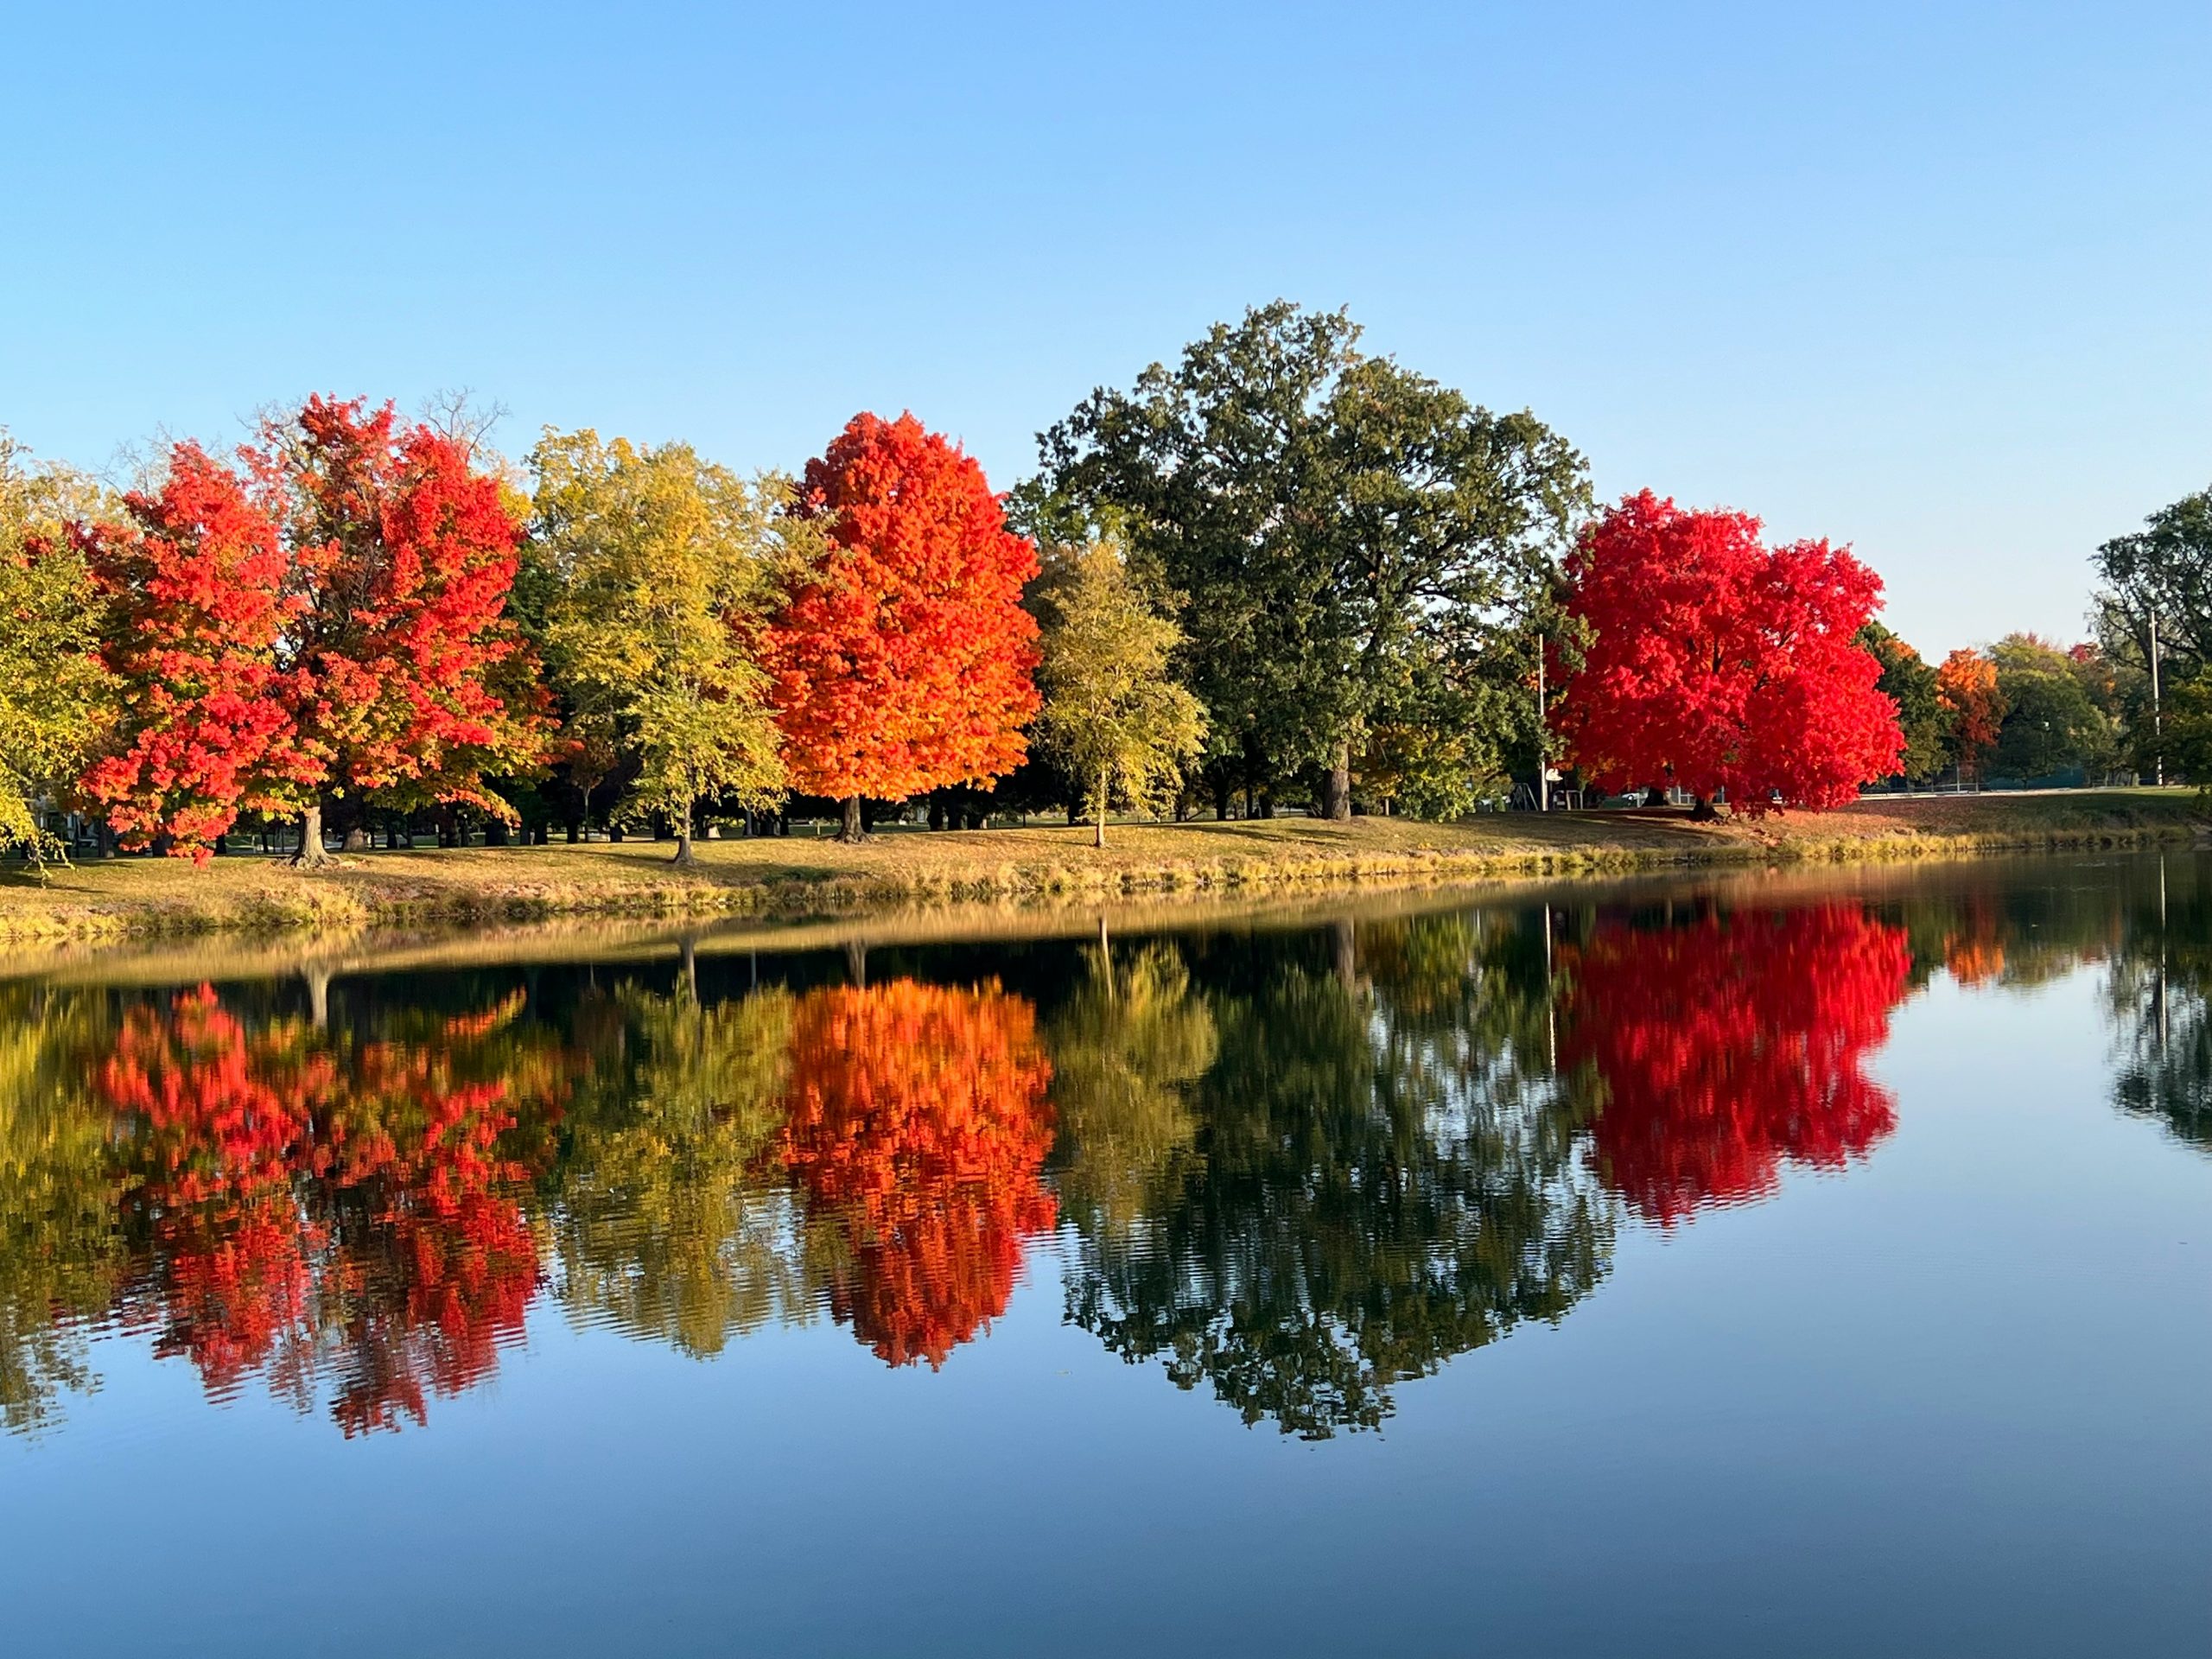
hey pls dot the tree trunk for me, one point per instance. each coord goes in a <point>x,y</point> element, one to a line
<point>311,855</point>
<point>683,854</point>
<point>1335,788</point>
<point>850,830</point>
<point>1099,839</point>
<point>1701,811</point>
<point>356,839</point>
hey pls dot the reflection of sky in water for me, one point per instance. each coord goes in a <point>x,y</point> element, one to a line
<point>1941,1395</point>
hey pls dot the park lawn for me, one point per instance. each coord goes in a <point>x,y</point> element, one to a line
<point>142,896</point>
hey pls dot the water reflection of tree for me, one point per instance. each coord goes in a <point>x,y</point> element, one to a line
<point>1375,1188</point>
<point>2160,995</point>
<point>61,1263</point>
<point>331,1213</point>
<point>661,1219</point>
<point>1127,1046</point>
<point>917,1124</point>
<point>1731,1046</point>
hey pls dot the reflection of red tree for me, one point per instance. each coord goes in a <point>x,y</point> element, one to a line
<point>300,1199</point>
<point>1731,1046</point>
<point>918,1117</point>
<point>227,1130</point>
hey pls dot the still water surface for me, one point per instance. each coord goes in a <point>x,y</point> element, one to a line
<point>1759,1265</point>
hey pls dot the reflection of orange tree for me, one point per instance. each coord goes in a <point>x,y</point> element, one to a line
<point>918,1122</point>
<point>303,1198</point>
<point>1732,1046</point>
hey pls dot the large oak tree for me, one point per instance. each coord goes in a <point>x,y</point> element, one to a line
<point>1353,543</point>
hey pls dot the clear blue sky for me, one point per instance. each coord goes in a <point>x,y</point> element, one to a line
<point>1934,280</point>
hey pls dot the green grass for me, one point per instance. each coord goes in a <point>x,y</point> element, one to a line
<point>148,896</point>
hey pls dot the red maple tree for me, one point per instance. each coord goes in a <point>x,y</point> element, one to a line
<point>904,662</point>
<point>918,1122</point>
<point>1733,1046</point>
<point>1717,664</point>
<point>193,582</point>
<point>411,681</point>
<point>333,625</point>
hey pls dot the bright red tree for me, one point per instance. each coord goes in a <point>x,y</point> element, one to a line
<point>1717,662</point>
<point>1733,1046</point>
<point>333,625</point>
<point>917,1120</point>
<point>410,680</point>
<point>194,582</point>
<point>904,662</point>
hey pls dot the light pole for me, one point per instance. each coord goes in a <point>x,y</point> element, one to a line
<point>1543,758</point>
<point>2158,713</point>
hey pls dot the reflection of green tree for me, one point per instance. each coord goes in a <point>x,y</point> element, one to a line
<point>2160,988</point>
<point>1385,1182</point>
<point>664,1223</point>
<point>61,1262</point>
<point>1126,1049</point>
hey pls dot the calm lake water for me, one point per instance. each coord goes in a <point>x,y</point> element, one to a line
<point>1766,1264</point>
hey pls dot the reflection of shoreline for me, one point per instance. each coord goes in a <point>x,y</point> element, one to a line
<point>612,940</point>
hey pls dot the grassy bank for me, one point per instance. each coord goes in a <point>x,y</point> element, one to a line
<point>141,897</point>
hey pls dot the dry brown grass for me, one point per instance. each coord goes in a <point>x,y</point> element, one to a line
<point>143,897</point>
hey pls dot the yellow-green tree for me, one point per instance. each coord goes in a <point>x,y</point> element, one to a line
<point>1122,728</point>
<point>52,689</point>
<point>660,568</point>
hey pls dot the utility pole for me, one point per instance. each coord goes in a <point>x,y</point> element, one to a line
<point>2157,712</point>
<point>1543,732</point>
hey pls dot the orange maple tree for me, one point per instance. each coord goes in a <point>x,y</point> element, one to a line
<point>1965,685</point>
<point>916,1121</point>
<point>905,661</point>
<point>1733,1046</point>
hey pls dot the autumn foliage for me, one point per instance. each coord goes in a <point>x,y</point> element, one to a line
<point>917,1120</point>
<point>1717,664</point>
<point>1732,1047</point>
<point>325,619</point>
<point>412,676</point>
<point>196,577</point>
<point>905,662</point>
<point>1965,685</point>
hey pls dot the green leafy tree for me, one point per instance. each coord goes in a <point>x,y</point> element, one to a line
<point>1909,681</point>
<point>1120,726</point>
<point>2187,734</point>
<point>2163,571</point>
<point>1323,514</point>
<point>656,570</point>
<point>53,696</point>
<point>2051,723</point>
